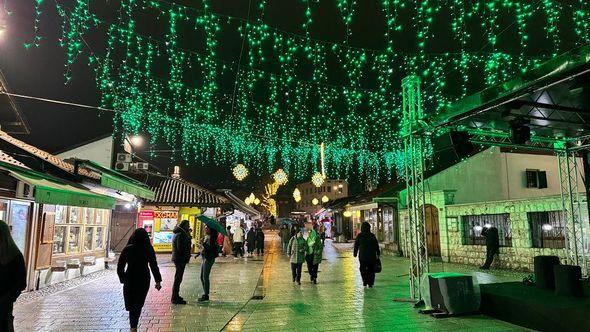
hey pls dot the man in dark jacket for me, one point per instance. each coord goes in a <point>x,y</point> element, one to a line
<point>181,254</point>
<point>366,247</point>
<point>492,245</point>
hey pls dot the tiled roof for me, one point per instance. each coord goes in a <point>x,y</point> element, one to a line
<point>9,160</point>
<point>56,161</point>
<point>176,191</point>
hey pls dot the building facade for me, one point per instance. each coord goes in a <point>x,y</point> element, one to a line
<point>332,189</point>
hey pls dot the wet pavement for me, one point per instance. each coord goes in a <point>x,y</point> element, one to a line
<point>255,294</point>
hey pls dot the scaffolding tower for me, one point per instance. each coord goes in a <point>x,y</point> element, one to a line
<point>414,177</point>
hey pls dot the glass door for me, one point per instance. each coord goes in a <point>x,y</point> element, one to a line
<point>19,223</point>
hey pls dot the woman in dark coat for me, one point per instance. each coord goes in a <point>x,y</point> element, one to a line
<point>137,256</point>
<point>208,254</point>
<point>13,277</point>
<point>259,241</point>
<point>251,240</point>
<point>366,247</point>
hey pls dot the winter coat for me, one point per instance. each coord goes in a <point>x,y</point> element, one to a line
<point>314,247</point>
<point>259,239</point>
<point>366,247</point>
<point>239,235</point>
<point>251,239</point>
<point>492,238</point>
<point>208,250</point>
<point>296,249</point>
<point>181,245</point>
<point>285,235</point>
<point>227,245</point>
<point>136,278</point>
<point>13,280</point>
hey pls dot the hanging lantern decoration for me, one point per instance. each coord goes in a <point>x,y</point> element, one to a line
<point>317,179</point>
<point>347,214</point>
<point>240,172</point>
<point>280,177</point>
<point>297,195</point>
<point>256,201</point>
<point>315,201</point>
<point>325,199</point>
<point>247,201</point>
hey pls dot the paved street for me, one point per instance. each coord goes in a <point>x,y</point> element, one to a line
<point>338,302</point>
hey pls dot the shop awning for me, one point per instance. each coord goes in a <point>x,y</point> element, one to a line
<point>241,205</point>
<point>115,180</point>
<point>51,190</point>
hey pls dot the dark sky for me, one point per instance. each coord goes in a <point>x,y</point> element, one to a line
<point>39,71</point>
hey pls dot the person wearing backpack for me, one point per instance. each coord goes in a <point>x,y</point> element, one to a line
<point>367,248</point>
<point>209,252</point>
<point>296,251</point>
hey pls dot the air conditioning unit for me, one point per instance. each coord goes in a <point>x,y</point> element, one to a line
<point>123,157</point>
<point>142,166</point>
<point>24,190</point>
<point>120,166</point>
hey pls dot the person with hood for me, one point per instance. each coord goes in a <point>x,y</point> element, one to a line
<point>181,255</point>
<point>251,240</point>
<point>492,245</point>
<point>285,238</point>
<point>259,241</point>
<point>314,253</point>
<point>139,257</point>
<point>13,277</point>
<point>367,248</point>
<point>296,253</point>
<point>226,248</point>
<point>208,254</point>
<point>239,242</point>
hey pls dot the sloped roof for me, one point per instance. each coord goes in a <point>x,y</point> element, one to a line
<point>9,160</point>
<point>239,204</point>
<point>52,159</point>
<point>179,192</point>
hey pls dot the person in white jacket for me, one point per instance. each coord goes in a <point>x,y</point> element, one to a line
<point>239,242</point>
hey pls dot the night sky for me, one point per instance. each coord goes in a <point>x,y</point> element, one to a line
<point>39,71</point>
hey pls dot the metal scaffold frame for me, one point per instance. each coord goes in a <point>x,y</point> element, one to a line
<point>575,243</point>
<point>414,176</point>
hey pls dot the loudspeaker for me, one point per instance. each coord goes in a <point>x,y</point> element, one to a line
<point>568,280</point>
<point>544,276</point>
<point>453,293</point>
<point>460,140</point>
<point>520,133</point>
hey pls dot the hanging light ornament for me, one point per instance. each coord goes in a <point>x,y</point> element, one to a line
<point>347,214</point>
<point>240,172</point>
<point>297,195</point>
<point>317,179</point>
<point>315,201</point>
<point>256,201</point>
<point>280,177</point>
<point>325,199</point>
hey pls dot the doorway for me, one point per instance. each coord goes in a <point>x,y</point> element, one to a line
<point>432,232</point>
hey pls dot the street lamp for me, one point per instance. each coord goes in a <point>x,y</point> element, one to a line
<point>136,140</point>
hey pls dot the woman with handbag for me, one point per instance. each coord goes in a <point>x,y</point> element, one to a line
<point>367,248</point>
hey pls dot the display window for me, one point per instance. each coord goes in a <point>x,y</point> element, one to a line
<point>79,230</point>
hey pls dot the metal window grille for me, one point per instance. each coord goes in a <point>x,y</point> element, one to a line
<point>547,229</point>
<point>473,227</point>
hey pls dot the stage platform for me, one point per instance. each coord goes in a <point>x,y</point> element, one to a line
<point>534,308</point>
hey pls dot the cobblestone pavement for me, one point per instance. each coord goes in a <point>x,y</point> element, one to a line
<point>256,294</point>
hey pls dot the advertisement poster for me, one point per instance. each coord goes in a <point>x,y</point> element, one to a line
<point>145,220</point>
<point>164,223</point>
<point>19,218</point>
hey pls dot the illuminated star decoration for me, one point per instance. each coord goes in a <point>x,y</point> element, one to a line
<point>240,172</point>
<point>317,179</point>
<point>280,177</point>
<point>315,201</point>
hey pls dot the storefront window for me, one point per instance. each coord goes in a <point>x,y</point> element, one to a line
<point>99,217</point>
<point>88,237</point>
<point>74,215</point>
<point>74,239</point>
<point>60,214</point>
<point>99,242</point>
<point>88,215</point>
<point>3,209</point>
<point>59,240</point>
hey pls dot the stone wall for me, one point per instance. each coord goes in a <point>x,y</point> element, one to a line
<point>517,257</point>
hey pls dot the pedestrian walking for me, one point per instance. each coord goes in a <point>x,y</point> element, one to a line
<point>251,240</point>
<point>314,253</point>
<point>139,257</point>
<point>13,277</point>
<point>285,237</point>
<point>227,243</point>
<point>366,247</point>
<point>181,255</point>
<point>259,241</point>
<point>492,245</point>
<point>208,254</point>
<point>296,252</point>
<point>323,233</point>
<point>239,242</point>
<point>220,239</point>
